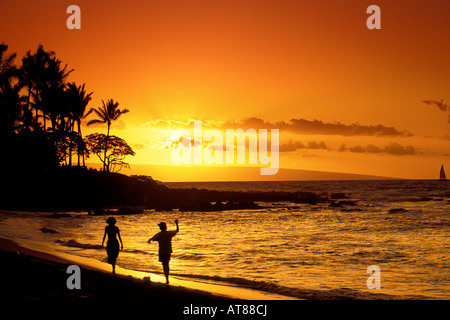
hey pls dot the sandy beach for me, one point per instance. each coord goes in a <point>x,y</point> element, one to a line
<point>34,283</point>
<point>39,274</point>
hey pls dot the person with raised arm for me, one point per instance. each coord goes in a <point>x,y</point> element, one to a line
<point>164,239</point>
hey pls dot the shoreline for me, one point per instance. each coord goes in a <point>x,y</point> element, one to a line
<point>38,263</point>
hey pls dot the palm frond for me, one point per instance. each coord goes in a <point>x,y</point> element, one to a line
<point>101,114</point>
<point>94,121</point>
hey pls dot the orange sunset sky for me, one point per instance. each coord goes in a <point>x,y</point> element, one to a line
<point>345,98</point>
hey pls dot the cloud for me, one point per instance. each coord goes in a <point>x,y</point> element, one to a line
<point>176,124</point>
<point>139,146</point>
<point>183,141</point>
<point>296,145</point>
<point>393,149</point>
<point>440,104</point>
<point>299,126</point>
<point>396,149</point>
<point>166,124</point>
<point>303,126</point>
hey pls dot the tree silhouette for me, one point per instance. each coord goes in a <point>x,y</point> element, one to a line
<point>55,104</point>
<point>40,72</point>
<point>10,98</point>
<point>41,115</point>
<point>7,68</point>
<point>79,99</point>
<point>110,150</point>
<point>10,103</point>
<point>107,113</point>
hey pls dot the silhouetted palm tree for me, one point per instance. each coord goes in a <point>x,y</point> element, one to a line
<point>40,72</point>
<point>10,99</point>
<point>79,100</point>
<point>6,63</point>
<point>10,104</point>
<point>30,77</point>
<point>107,113</point>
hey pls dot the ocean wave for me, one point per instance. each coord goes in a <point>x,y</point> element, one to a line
<point>424,199</point>
<point>75,244</point>
<point>135,251</point>
<point>192,256</point>
<point>303,293</point>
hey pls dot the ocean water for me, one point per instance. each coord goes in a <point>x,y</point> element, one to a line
<point>301,250</point>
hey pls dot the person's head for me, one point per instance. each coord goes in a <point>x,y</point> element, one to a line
<point>162,226</point>
<point>111,221</point>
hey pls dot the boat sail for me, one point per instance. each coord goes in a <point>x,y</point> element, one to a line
<point>442,174</point>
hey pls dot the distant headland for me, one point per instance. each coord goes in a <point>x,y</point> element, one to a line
<point>181,173</point>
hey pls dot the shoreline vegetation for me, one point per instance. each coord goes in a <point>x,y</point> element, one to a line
<point>100,193</point>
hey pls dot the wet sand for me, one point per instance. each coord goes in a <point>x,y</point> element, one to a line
<point>34,273</point>
<point>34,284</point>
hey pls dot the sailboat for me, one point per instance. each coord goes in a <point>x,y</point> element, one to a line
<point>442,174</point>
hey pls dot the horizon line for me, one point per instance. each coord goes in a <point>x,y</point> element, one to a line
<point>256,167</point>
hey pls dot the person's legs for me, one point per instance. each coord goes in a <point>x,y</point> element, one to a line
<point>166,269</point>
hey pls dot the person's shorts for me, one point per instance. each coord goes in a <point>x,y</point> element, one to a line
<point>164,257</point>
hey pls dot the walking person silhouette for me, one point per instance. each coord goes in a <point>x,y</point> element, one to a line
<point>112,245</point>
<point>164,238</point>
